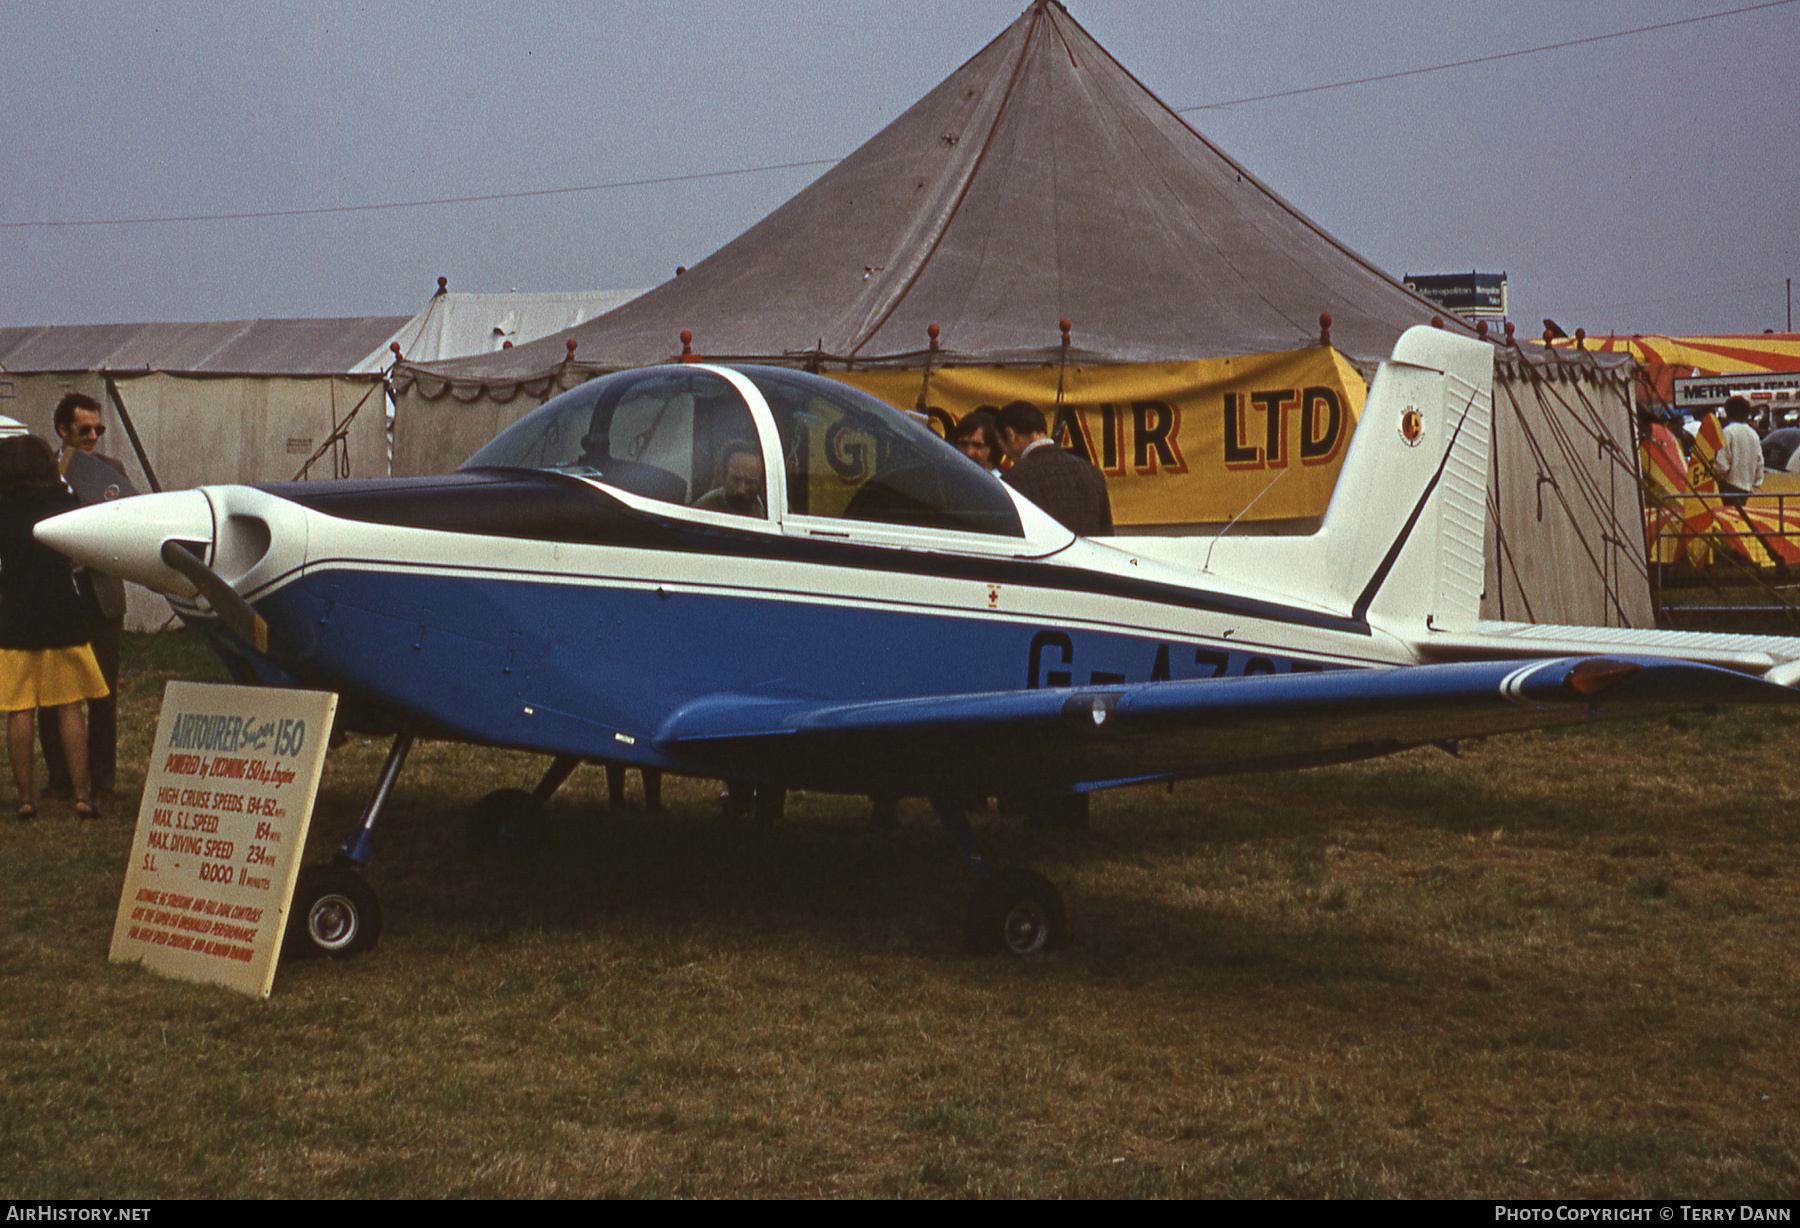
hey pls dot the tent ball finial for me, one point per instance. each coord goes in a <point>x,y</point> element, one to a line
<point>1481,329</point>
<point>394,346</point>
<point>443,285</point>
<point>571,343</point>
<point>1066,328</point>
<point>1324,328</point>
<point>931,330</point>
<point>1437,321</point>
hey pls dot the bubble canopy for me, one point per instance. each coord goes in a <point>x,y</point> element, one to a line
<point>688,436</point>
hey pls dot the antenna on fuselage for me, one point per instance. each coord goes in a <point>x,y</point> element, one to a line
<point>1207,564</point>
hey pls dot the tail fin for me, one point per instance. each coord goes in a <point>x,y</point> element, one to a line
<point>1401,544</point>
<point>1403,536</point>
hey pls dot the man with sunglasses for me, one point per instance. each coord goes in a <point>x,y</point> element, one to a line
<point>78,425</point>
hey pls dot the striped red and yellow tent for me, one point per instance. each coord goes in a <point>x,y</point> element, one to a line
<point>1663,360</point>
<point>1687,520</point>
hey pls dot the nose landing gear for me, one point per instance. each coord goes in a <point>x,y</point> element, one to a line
<point>335,914</point>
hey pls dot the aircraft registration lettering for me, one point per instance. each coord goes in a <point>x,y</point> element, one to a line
<point>1063,645</point>
<point>1052,663</point>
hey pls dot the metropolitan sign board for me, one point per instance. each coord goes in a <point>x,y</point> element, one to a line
<point>227,800</point>
<point>1711,391</point>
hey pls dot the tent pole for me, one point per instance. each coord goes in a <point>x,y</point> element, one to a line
<point>931,332</point>
<point>137,445</point>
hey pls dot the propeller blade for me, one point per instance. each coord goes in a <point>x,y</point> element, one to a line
<point>236,613</point>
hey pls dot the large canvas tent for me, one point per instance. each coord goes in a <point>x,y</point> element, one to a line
<point>1565,531</point>
<point>1663,360</point>
<point>456,323</point>
<point>1041,181</point>
<point>233,401</point>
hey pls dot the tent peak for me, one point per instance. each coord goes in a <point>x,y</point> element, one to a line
<point>1039,181</point>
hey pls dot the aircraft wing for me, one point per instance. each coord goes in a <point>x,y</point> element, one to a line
<point>1084,738</point>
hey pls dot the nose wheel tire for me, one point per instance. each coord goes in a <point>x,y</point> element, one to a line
<point>335,915</point>
<point>506,821</point>
<point>1015,912</point>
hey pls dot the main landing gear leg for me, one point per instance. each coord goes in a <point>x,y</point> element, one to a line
<point>359,846</point>
<point>1013,911</point>
<point>335,913</point>
<point>511,819</point>
<point>561,768</point>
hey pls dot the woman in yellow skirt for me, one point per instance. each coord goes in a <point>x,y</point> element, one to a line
<point>45,660</point>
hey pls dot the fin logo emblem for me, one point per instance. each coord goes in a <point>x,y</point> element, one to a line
<point>1412,427</point>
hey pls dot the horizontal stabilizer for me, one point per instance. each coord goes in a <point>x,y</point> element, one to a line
<point>1755,654</point>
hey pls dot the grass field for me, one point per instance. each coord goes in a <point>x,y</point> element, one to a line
<point>1558,965</point>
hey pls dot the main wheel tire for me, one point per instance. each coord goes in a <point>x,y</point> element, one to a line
<point>336,915</point>
<point>507,820</point>
<point>1016,912</point>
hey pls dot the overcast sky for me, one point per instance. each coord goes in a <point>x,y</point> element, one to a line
<point>1644,184</point>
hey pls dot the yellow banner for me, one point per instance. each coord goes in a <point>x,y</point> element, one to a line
<point>1179,442</point>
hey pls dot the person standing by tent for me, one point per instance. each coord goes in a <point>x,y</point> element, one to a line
<point>45,661</point>
<point>77,421</point>
<point>1063,484</point>
<point>1738,464</point>
<point>977,437</point>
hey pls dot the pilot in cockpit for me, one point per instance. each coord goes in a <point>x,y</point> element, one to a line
<point>743,489</point>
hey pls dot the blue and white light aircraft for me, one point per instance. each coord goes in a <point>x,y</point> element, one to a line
<point>761,575</point>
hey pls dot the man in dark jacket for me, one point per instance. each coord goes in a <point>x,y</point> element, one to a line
<point>1063,484</point>
<point>77,421</point>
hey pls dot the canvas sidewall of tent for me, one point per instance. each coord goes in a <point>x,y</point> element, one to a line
<point>201,430</point>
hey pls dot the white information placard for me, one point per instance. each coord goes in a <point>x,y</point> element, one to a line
<point>227,801</point>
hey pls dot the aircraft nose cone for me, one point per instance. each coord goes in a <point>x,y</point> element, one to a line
<point>125,538</point>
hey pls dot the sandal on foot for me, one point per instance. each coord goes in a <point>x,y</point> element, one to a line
<point>84,809</point>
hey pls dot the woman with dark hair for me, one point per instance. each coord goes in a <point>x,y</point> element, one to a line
<point>45,660</point>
